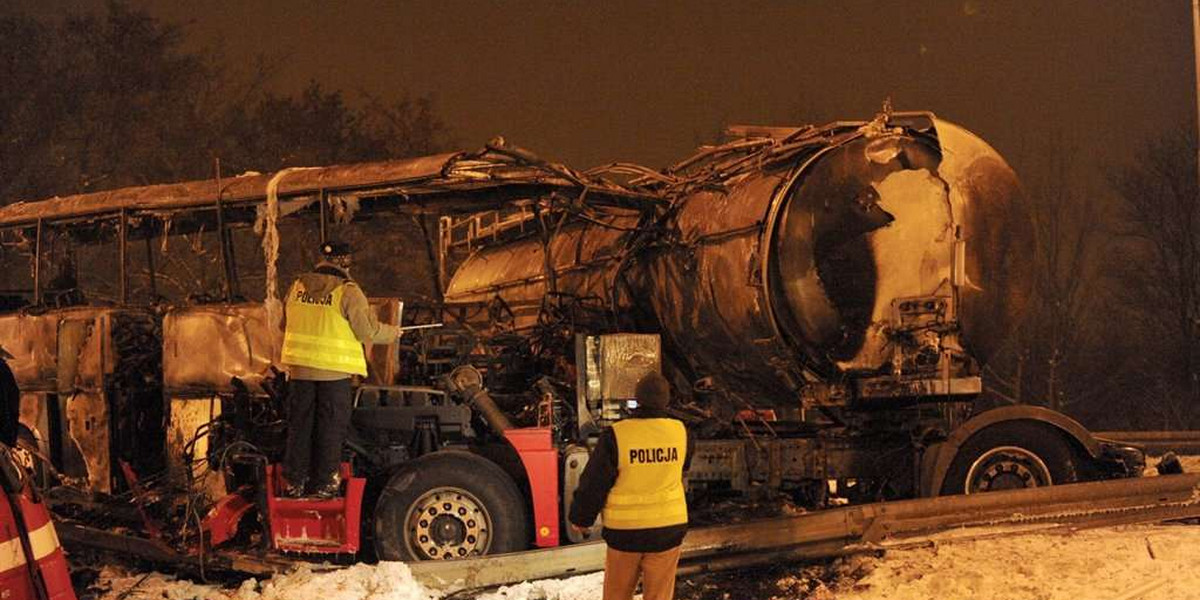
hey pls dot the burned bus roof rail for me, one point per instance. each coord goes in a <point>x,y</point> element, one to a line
<point>436,175</point>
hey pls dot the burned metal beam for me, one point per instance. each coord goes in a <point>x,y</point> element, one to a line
<point>122,256</point>
<point>150,267</point>
<point>323,208</point>
<point>37,264</point>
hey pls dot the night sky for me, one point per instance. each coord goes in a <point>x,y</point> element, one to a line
<point>594,82</point>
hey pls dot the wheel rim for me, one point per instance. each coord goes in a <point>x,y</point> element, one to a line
<point>1006,468</point>
<point>447,523</point>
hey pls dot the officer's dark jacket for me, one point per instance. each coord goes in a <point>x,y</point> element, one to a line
<point>598,478</point>
<point>10,405</point>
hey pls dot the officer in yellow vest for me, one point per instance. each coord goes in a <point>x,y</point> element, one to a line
<point>328,320</point>
<point>635,479</point>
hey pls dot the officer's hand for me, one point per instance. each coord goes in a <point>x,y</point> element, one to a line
<point>579,530</point>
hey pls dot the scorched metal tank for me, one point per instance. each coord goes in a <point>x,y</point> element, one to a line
<point>791,272</point>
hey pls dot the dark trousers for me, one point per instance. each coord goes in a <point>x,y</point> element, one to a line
<point>318,420</point>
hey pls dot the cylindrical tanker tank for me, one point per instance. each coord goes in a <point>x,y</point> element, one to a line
<point>792,273</point>
<point>585,256</point>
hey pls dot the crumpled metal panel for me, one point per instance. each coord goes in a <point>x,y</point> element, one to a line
<point>624,359</point>
<point>84,353</point>
<point>87,438</point>
<point>67,356</point>
<point>60,350</point>
<point>32,340</point>
<point>187,415</point>
<point>204,347</point>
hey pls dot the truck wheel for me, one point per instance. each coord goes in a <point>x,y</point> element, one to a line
<point>449,505</point>
<point>1011,456</point>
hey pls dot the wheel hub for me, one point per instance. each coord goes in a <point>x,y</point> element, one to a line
<point>1007,468</point>
<point>448,530</point>
<point>447,523</point>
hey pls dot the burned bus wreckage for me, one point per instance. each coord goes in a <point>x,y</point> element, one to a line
<point>821,298</point>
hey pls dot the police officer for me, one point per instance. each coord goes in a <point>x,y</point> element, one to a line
<point>328,320</point>
<point>635,478</point>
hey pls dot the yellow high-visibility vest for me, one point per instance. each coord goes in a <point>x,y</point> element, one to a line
<point>649,491</point>
<point>318,336</point>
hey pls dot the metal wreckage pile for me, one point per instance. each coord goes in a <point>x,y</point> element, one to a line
<point>822,299</point>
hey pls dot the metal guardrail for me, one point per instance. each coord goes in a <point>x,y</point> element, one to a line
<point>820,534</point>
<point>838,531</point>
<point>1158,442</point>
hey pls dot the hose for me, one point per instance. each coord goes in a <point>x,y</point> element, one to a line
<point>467,383</point>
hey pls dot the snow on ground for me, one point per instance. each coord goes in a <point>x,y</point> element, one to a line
<point>580,587</point>
<point>1190,463</point>
<point>385,581</point>
<point>1100,564</point>
<point>115,583</point>
<point>1151,562</point>
<point>1159,561</point>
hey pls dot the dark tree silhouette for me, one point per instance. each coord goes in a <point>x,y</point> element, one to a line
<point>96,102</point>
<point>1159,265</point>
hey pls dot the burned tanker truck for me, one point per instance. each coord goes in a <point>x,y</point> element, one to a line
<point>823,300</point>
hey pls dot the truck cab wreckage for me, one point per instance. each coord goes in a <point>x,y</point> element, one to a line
<point>822,299</point>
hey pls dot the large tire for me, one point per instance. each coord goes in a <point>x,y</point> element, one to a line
<point>1012,455</point>
<point>448,505</point>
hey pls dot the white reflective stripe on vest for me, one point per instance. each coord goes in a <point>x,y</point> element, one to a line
<point>300,346</point>
<point>12,555</point>
<point>43,541</point>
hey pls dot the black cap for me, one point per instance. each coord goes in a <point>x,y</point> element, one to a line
<point>653,391</point>
<point>332,249</point>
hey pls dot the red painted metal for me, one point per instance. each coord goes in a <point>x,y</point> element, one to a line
<point>539,456</point>
<point>15,578</point>
<point>315,526</point>
<point>757,414</point>
<point>42,545</point>
<point>141,500</point>
<point>222,520</point>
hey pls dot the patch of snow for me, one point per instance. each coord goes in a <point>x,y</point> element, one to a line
<point>120,584</point>
<point>1190,463</point>
<point>384,581</point>
<point>1151,562</point>
<point>581,587</point>
<point>1096,564</point>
